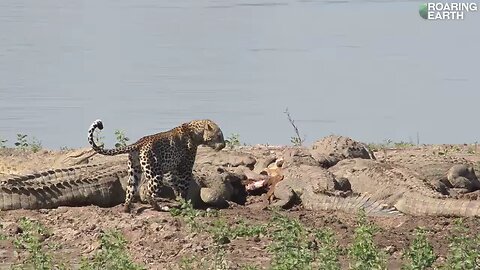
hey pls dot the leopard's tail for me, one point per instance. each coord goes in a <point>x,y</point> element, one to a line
<point>109,152</point>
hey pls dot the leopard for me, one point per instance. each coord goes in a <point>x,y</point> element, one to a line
<point>164,159</point>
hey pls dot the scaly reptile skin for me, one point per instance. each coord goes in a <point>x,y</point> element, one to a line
<point>21,162</point>
<point>435,169</point>
<point>318,189</point>
<point>331,149</point>
<point>401,189</point>
<point>75,186</point>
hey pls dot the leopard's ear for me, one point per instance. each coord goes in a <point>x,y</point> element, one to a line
<point>209,127</point>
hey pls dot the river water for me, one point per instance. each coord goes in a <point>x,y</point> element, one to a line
<point>372,70</point>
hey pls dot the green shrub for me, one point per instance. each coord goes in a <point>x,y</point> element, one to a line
<point>121,139</point>
<point>2,143</point>
<point>420,253</point>
<point>233,141</point>
<point>112,255</point>
<point>221,232</point>
<point>21,142</point>
<point>188,213</point>
<point>363,253</point>
<point>2,236</point>
<point>30,239</point>
<point>295,140</point>
<point>35,145</point>
<point>290,247</point>
<point>327,255</point>
<point>243,229</point>
<point>464,252</point>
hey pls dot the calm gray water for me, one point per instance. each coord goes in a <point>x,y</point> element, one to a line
<point>369,70</point>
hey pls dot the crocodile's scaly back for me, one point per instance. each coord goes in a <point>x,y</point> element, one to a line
<point>402,189</point>
<point>319,189</point>
<point>75,186</point>
<point>20,162</point>
<point>331,149</point>
<point>428,166</point>
<point>381,180</point>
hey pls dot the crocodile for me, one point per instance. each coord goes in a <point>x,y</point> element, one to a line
<point>318,189</point>
<point>374,183</point>
<point>102,182</point>
<point>104,185</point>
<point>450,175</point>
<point>19,162</point>
<point>329,150</point>
<point>99,184</point>
<point>402,189</point>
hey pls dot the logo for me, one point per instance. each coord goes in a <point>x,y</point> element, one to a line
<point>446,11</point>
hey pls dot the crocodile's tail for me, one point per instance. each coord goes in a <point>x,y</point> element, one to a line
<point>417,205</point>
<point>64,187</point>
<point>351,204</point>
<point>108,152</point>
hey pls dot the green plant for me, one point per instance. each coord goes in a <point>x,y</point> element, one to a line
<point>2,143</point>
<point>112,254</point>
<point>420,253</point>
<point>121,139</point>
<point>403,144</point>
<point>328,250</point>
<point>187,263</point>
<point>21,142</point>
<point>464,250</point>
<point>221,232</point>
<point>219,259</point>
<point>387,143</point>
<point>35,145</point>
<point>2,237</point>
<point>215,261</point>
<point>295,140</point>
<point>290,247</point>
<point>233,141</point>
<point>363,252</point>
<point>188,213</point>
<point>31,240</point>
<point>243,229</point>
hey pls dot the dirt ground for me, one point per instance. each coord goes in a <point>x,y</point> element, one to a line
<point>160,241</point>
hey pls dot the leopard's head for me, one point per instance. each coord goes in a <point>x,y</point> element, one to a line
<point>213,135</point>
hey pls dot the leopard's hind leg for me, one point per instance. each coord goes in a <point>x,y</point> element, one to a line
<point>134,174</point>
<point>153,178</point>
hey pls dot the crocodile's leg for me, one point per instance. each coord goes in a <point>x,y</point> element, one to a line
<point>134,173</point>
